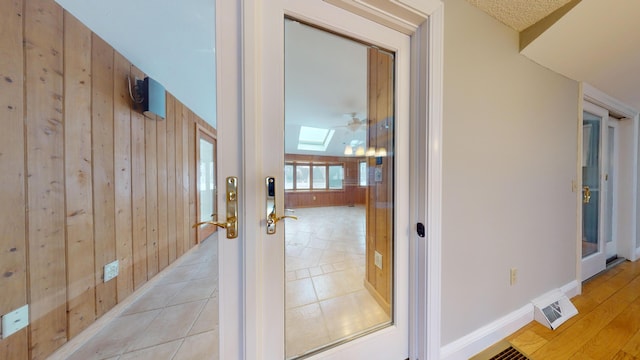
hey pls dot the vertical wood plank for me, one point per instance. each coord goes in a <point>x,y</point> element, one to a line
<point>163,241</point>
<point>180,224</point>
<point>13,263</point>
<point>45,176</point>
<point>185,178</point>
<point>192,179</point>
<point>122,163</point>
<point>79,190</point>
<point>138,194</point>
<point>171,177</point>
<point>150,138</point>
<point>103,171</point>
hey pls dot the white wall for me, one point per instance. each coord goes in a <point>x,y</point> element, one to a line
<point>509,157</point>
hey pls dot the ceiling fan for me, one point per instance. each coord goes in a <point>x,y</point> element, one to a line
<point>355,123</point>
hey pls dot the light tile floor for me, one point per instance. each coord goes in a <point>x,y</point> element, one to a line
<point>175,319</point>
<point>325,264</point>
<point>326,300</point>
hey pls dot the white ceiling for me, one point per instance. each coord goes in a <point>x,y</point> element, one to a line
<point>519,14</point>
<point>325,82</point>
<point>597,41</point>
<point>171,41</point>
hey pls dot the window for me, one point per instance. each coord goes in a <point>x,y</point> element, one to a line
<point>288,177</point>
<point>362,173</point>
<point>313,176</point>
<point>319,177</point>
<point>336,176</point>
<point>315,139</point>
<point>302,177</point>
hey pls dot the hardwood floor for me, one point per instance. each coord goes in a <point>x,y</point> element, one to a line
<point>607,325</point>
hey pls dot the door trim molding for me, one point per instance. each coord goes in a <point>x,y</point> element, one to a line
<point>592,95</point>
<point>433,201</point>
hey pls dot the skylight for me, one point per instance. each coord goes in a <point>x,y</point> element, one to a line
<point>314,139</point>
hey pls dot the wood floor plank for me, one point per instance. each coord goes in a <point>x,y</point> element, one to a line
<point>606,344</point>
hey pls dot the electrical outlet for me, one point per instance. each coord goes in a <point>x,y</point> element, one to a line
<point>513,276</point>
<point>14,321</point>
<point>378,260</point>
<point>110,270</point>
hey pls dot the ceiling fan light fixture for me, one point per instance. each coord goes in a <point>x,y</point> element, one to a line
<point>371,151</point>
<point>348,150</point>
<point>360,151</point>
<point>354,126</point>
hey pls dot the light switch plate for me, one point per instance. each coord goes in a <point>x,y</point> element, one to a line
<point>110,270</point>
<point>13,321</point>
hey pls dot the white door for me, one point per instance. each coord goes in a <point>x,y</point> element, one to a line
<point>594,194</point>
<point>271,329</point>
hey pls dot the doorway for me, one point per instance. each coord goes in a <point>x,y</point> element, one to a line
<point>609,179</point>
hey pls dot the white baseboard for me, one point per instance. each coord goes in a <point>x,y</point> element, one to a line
<point>637,254</point>
<point>473,343</point>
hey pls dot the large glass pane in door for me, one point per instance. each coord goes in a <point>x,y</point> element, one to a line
<point>591,129</point>
<point>339,121</point>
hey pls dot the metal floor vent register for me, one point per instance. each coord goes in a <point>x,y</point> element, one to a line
<point>501,351</point>
<point>510,353</point>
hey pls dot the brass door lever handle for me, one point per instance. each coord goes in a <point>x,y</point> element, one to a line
<point>231,225</point>
<point>223,225</point>
<point>273,219</point>
<point>586,195</point>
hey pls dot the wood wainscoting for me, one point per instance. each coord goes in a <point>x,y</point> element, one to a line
<point>86,179</point>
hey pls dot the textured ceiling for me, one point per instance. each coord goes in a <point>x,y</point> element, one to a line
<point>518,14</point>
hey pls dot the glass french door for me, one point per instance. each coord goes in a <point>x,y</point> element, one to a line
<point>594,195</point>
<point>334,102</point>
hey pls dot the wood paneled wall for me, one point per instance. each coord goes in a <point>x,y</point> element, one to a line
<point>86,179</point>
<point>380,195</point>
<point>352,194</point>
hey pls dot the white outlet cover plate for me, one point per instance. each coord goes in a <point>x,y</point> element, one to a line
<point>110,270</point>
<point>378,260</point>
<point>14,321</point>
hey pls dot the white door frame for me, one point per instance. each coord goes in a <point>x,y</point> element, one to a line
<point>611,220</point>
<point>626,245</point>
<point>228,87</point>
<point>426,69</point>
